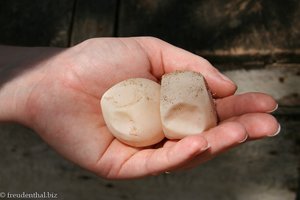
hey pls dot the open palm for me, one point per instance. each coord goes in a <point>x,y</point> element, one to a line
<point>64,107</point>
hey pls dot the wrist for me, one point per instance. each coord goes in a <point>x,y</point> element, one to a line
<point>21,69</point>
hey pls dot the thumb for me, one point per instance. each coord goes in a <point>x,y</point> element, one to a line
<point>166,58</point>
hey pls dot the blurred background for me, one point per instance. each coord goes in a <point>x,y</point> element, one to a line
<point>254,42</point>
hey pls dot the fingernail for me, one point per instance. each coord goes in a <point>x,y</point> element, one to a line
<point>276,107</point>
<point>243,140</point>
<point>277,132</point>
<point>205,148</point>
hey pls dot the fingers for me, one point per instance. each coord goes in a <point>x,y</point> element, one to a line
<point>166,58</point>
<point>251,126</point>
<point>156,161</point>
<point>225,136</point>
<point>258,125</point>
<point>220,138</point>
<point>188,152</point>
<point>174,155</point>
<point>244,103</point>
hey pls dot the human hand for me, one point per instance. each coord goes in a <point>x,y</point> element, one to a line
<point>63,106</point>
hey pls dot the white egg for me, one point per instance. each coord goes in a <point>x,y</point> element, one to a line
<point>132,113</point>
<point>186,105</point>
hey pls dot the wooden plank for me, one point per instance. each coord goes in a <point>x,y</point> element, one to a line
<point>281,83</point>
<point>228,59</point>
<point>93,18</point>
<point>35,23</point>
<point>224,31</point>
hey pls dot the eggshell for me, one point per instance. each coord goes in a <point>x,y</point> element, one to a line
<point>131,112</point>
<point>186,105</point>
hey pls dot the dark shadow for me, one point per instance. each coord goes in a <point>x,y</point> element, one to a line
<point>201,26</point>
<point>35,22</point>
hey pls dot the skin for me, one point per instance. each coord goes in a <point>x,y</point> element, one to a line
<point>57,92</point>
